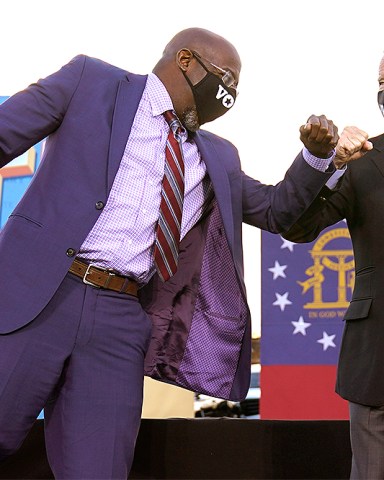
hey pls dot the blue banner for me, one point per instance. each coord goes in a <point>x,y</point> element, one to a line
<point>306,289</point>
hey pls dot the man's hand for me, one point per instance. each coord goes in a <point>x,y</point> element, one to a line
<point>352,145</point>
<point>319,136</point>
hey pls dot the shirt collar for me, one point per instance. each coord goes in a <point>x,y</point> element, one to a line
<point>159,99</point>
<point>158,96</point>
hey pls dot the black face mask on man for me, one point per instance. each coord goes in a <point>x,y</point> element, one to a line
<point>380,101</point>
<point>212,97</point>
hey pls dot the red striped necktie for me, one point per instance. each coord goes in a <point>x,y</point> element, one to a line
<point>168,229</point>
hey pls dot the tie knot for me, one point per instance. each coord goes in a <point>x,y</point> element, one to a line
<point>173,122</point>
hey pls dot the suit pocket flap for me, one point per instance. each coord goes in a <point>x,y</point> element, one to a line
<point>358,309</point>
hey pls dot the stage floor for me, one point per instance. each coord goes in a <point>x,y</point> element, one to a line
<point>216,448</point>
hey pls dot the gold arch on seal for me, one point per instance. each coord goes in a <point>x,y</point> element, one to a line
<point>335,260</point>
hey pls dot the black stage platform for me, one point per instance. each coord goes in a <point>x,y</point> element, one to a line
<point>217,448</point>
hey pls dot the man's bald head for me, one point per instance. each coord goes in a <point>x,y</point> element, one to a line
<point>189,57</point>
<point>207,43</point>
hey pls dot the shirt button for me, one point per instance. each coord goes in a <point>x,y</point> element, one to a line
<point>99,205</point>
<point>71,252</point>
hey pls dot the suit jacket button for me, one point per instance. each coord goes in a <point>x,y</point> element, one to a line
<point>99,205</point>
<point>71,252</point>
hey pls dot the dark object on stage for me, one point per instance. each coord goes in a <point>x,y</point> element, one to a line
<point>217,448</point>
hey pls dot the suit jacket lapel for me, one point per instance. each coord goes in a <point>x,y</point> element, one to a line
<point>127,100</point>
<point>219,177</point>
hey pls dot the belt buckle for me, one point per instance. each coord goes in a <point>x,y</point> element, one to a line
<point>87,282</point>
<point>106,283</point>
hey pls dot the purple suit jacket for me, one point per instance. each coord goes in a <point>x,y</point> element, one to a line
<point>201,322</point>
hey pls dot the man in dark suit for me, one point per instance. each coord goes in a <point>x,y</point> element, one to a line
<point>360,377</point>
<point>84,310</point>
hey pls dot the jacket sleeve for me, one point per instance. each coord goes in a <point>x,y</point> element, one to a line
<point>277,208</point>
<point>328,208</point>
<point>32,114</point>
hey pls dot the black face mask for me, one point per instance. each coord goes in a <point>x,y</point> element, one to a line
<point>380,101</point>
<point>212,97</point>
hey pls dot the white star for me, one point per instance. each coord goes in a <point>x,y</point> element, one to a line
<point>282,301</point>
<point>327,341</point>
<point>287,244</point>
<point>278,270</point>
<point>301,326</point>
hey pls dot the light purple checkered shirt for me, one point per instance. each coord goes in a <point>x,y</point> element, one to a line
<point>123,236</point>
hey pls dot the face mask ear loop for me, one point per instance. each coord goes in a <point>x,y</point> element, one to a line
<point>201,63</point>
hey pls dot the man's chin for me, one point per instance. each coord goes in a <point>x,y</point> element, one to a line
<point>190,120</point>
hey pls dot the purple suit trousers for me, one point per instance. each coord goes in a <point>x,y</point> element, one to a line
<point>82,359</point>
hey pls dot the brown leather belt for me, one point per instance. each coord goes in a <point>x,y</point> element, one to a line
<point>102,278</point>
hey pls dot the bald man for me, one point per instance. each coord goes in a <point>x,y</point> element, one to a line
<point>124,256</point>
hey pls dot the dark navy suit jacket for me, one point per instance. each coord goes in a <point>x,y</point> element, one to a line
<point>359,199</point>
<point>201,321</point>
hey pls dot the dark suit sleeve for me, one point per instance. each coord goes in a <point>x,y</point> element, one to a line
<point>277,208</point>
<point>32,114</point>
<point>328,208</point>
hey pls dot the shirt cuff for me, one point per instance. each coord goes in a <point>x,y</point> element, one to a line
<point>331,184</point>
<point>320,164</point>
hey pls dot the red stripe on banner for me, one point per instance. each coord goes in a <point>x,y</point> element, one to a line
<point>300,392</point>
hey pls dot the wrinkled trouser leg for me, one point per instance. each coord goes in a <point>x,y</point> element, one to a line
<point>81,359</point>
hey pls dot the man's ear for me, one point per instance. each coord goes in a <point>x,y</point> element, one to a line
<point>183,58</point>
